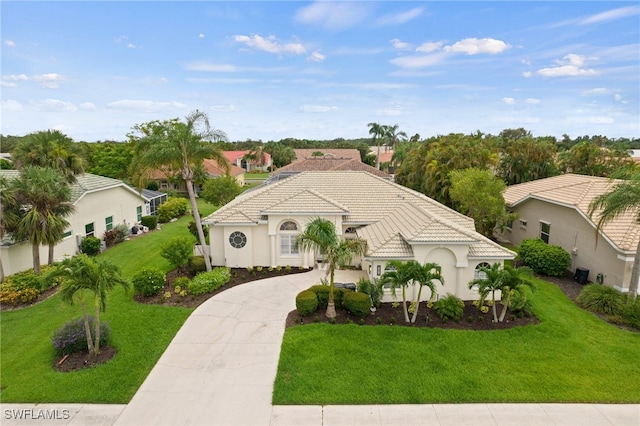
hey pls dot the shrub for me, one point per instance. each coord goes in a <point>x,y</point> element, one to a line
<point>150,222</point>
<point>306,302</point>
<point>193,229</point>
<point>91,246</point>
<point>116,235</point>
<point>178,251</point>
<point>206,282</point>
<point>520,304</point>
<point>374,291</point>
<point>23,280</point>
<point>631,313</point>
<point>148,282</point>
<point>357,303</point>
<point>322,293</point>
<point>449,307</point>
<point>544,258</point>
<point>172,208</point>
<point>71,337</point>
<point>10,296</point>
<point>601,299</point>
<point>196,264</point>
<point>182,282</point>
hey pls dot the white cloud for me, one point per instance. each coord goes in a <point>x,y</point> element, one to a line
<point>88,106</point>
<point>50,80</point>
<point>11,105</point>
<point>399,44</point>
<point>132,46</point>
<point>317,108</point>
<point>400,18</point>
<point>270,44</point>
<point>224,108</point>
<point>527,74</point>
<point>316,57</point>
<point>8,84</point>
<point>390,111</point>
<point>570,66</point>
<point>14,77</point>
<point>600,120</point>
<point>617,97</point>
<point>533,101</point>
<point>474,46</point>
<point>205,66</point>
<point>429,47</point>
<point>611,15</point>
<point>419,61</point>
<point>144,105</point>
<point>10,43</point>
<point>120,39</point>
<point>598,91</point>
<point>333,16</point>
<point>509,101</point>
<point>54,105</point>
<point>200,35</point>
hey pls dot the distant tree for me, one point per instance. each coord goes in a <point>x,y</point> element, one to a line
<point>478,194</point>
<point>394,135</point>
<point>525,159</point>
<point>377,131</point>
<point>281,155</point>
<point>111,159</point>
<point>220,191</point>
<point>589,158</point>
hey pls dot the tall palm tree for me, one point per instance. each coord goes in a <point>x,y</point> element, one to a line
<point>514,281</point>
<point>624,197</point>
<point>182,146</point>
<point>51,149</point>
<point>320,235</point>
<point>8,213</point>
<point>83,274</point>
<point>492,282</point>
<point>400,275</point>
<point>378,131</point>
<point>394,135</point>
<point>45,196</point>
<point>426,275</point>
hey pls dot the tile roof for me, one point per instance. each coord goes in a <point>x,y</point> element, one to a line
<point>363,199</point>
<point>352,153</point>
<point>214,169</point>
<point>577,191</point>
<point>330,163</point>
<point>233,156</point>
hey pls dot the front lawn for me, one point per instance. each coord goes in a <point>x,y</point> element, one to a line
<point>572,356</point>
<point>140,333</point>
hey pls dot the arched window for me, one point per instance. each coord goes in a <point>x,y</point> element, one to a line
<point>478,274</point>
<point>288,234</point>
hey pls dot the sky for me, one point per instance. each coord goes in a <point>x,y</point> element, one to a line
<point>270,70</point>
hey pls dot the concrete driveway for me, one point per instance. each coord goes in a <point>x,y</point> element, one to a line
<point>220,368</point>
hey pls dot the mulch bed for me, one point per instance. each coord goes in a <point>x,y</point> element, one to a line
<point>82,360</point>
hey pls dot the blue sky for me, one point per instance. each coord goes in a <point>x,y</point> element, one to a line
<point>322,70</point>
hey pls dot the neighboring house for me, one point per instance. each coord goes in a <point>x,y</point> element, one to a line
<point>325,163</point>
<point>259,228</point>
<point>100,204</point>
<point>303,154</point>
<point>555,209</point>
<point>239,159</point>
<point>212,169</point>
<point>153,200</point>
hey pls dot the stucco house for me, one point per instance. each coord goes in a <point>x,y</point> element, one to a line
<point>305,153</point>
<point>259,228</point>
<point>240,159</point>
<point>555,209</point>
<point>100,204</point>
<point>211,168</point>
<point>324,163</point>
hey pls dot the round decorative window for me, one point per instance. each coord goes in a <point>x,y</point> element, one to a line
<point>237,239</point>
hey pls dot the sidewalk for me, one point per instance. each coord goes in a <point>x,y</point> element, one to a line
<point>220,367</point>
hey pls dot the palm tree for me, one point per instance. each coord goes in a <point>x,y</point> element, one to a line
<point>256,155</point>
<point>46,196</point>
<point>378,131</point>
<point>81,274</point>
<point>182,147</point>
<point>394,135</point>
<point>624,197</point>
<point>399,275</point>
<point>514,281</point>
<point>320,235</point>
<point>426,275</point>
<point>8,216</point>
<point>51,149</point>
<point>492,282</point>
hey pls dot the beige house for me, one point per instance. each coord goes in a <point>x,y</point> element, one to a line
<point>100,204</point>
<point>259,227</point>
<point>555,209</point>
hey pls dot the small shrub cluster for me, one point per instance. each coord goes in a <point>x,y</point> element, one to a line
<point>206,282</point>
<point>150,222</point>
<point>114,236</point>
<point>322,293</point>
<point>72,338</point>
<point>196,264</point>
<point>174,207</point>
<point>601,299</point>
<point>148,282</point>
<point>91,246</point>
<point>372,289</point>
<point>178,251</point>
<point>544,258</point>
<point>306,302</point>
<point>449,307</point>
<point>359,304</point>
<point>193,229</point>
<point>11,296</point>
<point>182,282</point>
<point>25,287</point>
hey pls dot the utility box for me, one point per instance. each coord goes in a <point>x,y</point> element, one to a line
<point>581,275</point>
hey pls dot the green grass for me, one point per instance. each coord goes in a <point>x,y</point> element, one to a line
<point>572,356</point>
<point>253,176</point>
<point>140,333</point>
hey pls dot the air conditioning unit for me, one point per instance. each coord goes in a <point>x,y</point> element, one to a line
<point>574,251</point>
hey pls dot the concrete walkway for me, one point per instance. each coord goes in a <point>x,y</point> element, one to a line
<point>220,367</point>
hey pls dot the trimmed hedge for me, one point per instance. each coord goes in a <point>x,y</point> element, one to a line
<point>601,299</point>
<point>544,258</point>
<point>150,222</point>
<point>306,302</point>
<point>357,303</point>
<point>91,246</point>
<point>174,207</point>
<point>196,264</point>
<point>206,282</point>
<point>322,293</point>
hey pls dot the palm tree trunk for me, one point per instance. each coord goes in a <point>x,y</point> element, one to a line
<point>35,249</point>
<point>415,312</point>
<point>51,250</point>
<point>493,306</point>
<point>196,218</point>
<point>87,329</point>
<point>378,157</point>
<point>331,304</point>
<point>1,270</point>
<point>404,304</point>
<point>635,275</point>
<point>96,345</point>
<point>505,306</point>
